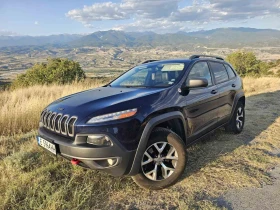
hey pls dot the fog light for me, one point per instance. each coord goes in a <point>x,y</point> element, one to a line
<point>112,161</point>
<point>99,140</point>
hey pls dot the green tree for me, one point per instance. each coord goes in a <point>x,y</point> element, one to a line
<point>56,70</point>
<point>247,64</point>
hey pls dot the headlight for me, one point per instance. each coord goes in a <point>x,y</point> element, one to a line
<point>113,116</point>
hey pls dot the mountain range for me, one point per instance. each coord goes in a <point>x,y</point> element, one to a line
<point>8,41</point>
<point>221,37</point>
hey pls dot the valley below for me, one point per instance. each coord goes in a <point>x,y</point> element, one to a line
<point>109,61</point>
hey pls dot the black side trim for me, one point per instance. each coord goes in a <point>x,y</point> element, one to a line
<point>146,134</point>
<point>236,99</point>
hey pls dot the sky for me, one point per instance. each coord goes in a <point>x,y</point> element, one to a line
<point>46,17</point>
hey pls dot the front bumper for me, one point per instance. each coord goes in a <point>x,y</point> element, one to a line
<point>91,156</point>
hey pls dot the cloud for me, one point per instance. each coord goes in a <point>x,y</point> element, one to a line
<point>159,26</point>
<point>227,10</point>
<point>36,23</point>
<point>167,15</point>
<point>98,11</point>
<point>125,10</point>
<point>150,9</point>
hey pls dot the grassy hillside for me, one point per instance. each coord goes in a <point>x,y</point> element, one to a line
<point>31,178</point>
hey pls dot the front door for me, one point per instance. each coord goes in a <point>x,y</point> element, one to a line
<point>201,107</point>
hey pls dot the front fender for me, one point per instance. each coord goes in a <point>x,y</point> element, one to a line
<point>146,134</point>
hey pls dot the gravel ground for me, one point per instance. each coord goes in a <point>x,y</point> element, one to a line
<point>266,198</point>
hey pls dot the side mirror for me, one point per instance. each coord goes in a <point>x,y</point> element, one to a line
<point>196,83</point>
<point>193,83</point>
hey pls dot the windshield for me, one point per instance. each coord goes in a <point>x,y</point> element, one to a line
<point>150,75</point>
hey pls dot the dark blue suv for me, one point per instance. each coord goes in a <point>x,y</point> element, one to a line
<point>141,123</point>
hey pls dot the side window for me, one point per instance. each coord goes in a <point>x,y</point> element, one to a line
<point>219,71</point>
<point>201,70</point>
<point>230,72</point>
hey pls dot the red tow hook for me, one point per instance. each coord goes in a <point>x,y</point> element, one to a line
<point>75,161</point>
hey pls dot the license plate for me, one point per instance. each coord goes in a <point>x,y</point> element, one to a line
<point>47,145</point>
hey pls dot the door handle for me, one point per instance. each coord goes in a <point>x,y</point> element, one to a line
<point>213,91</point>
<point>233,85</point>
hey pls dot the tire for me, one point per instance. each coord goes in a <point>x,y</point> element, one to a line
<point>236,123</point>
<point>173,156</point>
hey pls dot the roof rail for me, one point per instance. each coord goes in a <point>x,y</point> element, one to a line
<point>148,61</point>
<point>206,56</point>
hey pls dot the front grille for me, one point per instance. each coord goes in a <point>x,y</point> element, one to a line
<point>63,124</point>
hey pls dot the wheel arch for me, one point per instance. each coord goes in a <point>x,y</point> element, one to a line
<point>239,97</point>
<point>154,122</point>
<point>176,125</point>
<point>243,100</point>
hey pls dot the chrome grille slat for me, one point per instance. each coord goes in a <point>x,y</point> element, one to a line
<point>56,124</point>
<point>71,131</point>
<point>48,119</point>
<point>63,124</point>
<point>59,123</point>
<point>42,115</point>
<point>52,121</point>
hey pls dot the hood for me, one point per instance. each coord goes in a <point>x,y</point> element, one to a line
<point>94,100</point>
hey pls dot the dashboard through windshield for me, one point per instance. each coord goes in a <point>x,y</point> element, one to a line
<point>151,75</point>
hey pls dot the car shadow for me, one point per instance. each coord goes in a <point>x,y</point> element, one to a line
<point>261,111</point>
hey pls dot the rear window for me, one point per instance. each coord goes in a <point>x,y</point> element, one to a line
<point>219,71</point>
<point>230,72</point>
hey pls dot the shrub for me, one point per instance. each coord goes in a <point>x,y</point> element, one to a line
<point>247,64</point>
<point>56,70</point>
<point>278,73</point>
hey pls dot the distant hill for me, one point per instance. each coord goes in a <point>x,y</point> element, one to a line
<point>7,41</point>
<point>222,37</point>
<point>240,36</point>
<point>105,38</point>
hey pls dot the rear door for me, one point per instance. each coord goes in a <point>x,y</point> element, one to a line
<point>225,80</point>
<point>201,103</point>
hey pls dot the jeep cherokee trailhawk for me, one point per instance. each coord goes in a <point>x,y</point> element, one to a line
<point>141,123</point>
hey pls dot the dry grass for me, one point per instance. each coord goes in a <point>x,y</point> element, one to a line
<point>254,86</point>
<point>20,109</point>
<point>31,178</point>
